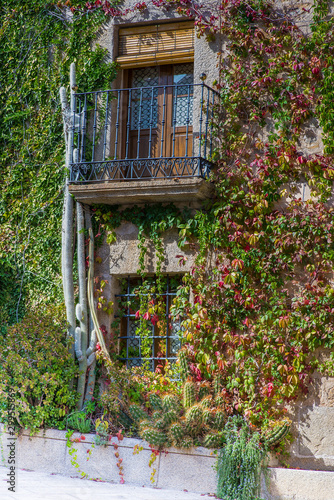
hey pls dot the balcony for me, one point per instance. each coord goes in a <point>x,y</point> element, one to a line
<point>143,144</point>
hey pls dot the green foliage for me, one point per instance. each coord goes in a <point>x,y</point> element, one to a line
<point>239,463</point>
<point>35,364</point>
<point>11,302</point>
<point>322,43</point>
<point>217,383</point>
<point>78,421</point>
<point>38,41</point>
<point>101,437</point>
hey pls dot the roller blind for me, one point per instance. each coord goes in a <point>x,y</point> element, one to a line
<point>158,44</point>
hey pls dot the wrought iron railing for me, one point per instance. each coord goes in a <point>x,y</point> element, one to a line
<point>163,131</point>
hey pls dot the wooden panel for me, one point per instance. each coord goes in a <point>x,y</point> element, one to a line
<point>142,60</point>
<point>144,138</point>
<point>180,142</point>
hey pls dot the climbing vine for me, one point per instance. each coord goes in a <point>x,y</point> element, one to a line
<point>38,41</point>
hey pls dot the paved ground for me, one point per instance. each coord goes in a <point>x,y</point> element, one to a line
<point>42,486</point>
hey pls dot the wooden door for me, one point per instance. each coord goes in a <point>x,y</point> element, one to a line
<point>179,138</point>
<point>158,117</point>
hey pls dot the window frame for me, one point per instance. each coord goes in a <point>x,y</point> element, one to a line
<point>172,341</point>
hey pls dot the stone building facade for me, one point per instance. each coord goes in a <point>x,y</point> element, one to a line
<point>182,66</point>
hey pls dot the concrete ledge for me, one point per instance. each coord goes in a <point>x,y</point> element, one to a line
<point>192,470</point>
<point>293,484</point>
<point>151,191</point>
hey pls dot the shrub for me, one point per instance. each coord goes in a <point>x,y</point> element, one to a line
<point>37,369</point>
<point>239,462</point>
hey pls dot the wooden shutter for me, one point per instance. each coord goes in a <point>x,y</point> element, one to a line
<point>158,44</point>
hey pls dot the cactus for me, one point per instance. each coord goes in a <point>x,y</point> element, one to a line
<point>277,434</point>
<point>204,390</point>
<point>219,401</point>
<point>207,402</point>
<point>213,440</point>
<point>208,417</point>
<point>170,402</point>
<point>177,433</point>
<point>187,442</point>
<point>184,369</point>
<point>219,420</point>
<point>189,394</point>
<point>169,418</point>
<point>181,422</point>
<point>159,424</point>
<point>217,384</point>
<point>155,438</point>
<point>155,401</point>
<point>137,413</point>
<point>144,424</point>
<point>194,419</point>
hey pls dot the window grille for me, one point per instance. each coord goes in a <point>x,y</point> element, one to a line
<point>164,336</point>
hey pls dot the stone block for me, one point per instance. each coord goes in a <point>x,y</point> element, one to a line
<point>327,391</point>
<point>292,484</point>
<point>124,253</point>
<point>144,191</point>
<point>316,432</point>
<point>101,464</point>
<point>192,471</point>
<point>44,452</point>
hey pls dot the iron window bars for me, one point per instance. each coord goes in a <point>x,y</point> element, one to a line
<point>164,344</point>
<point>122,134</point>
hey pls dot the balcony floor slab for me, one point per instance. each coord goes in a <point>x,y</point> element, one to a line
<point>138,192</point>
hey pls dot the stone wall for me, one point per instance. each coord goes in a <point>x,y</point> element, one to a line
<point>192,470</point>
<point>313,416</point>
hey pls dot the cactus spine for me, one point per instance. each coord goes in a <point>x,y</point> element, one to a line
<point>155,401</point>
<point>177,433</point>
<point>277,434</point>
<point>217,384</point>
<point>154,437</point>
<point>213,440</point>
<point>189,394</point>
<point>180,422</point>
<point>170,402</point>
<point>137,413</point>
<point>219,420</point>
<point>184,370</point>
<point>207,417</point>
<point>194,419</point>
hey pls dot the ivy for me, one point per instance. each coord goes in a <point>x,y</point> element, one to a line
<point>38,41</point>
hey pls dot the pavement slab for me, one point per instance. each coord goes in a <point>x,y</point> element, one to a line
<point>31,485</point>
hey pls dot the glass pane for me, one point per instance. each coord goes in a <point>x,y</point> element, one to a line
<point>183,94</point>
<point>144,103</point>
